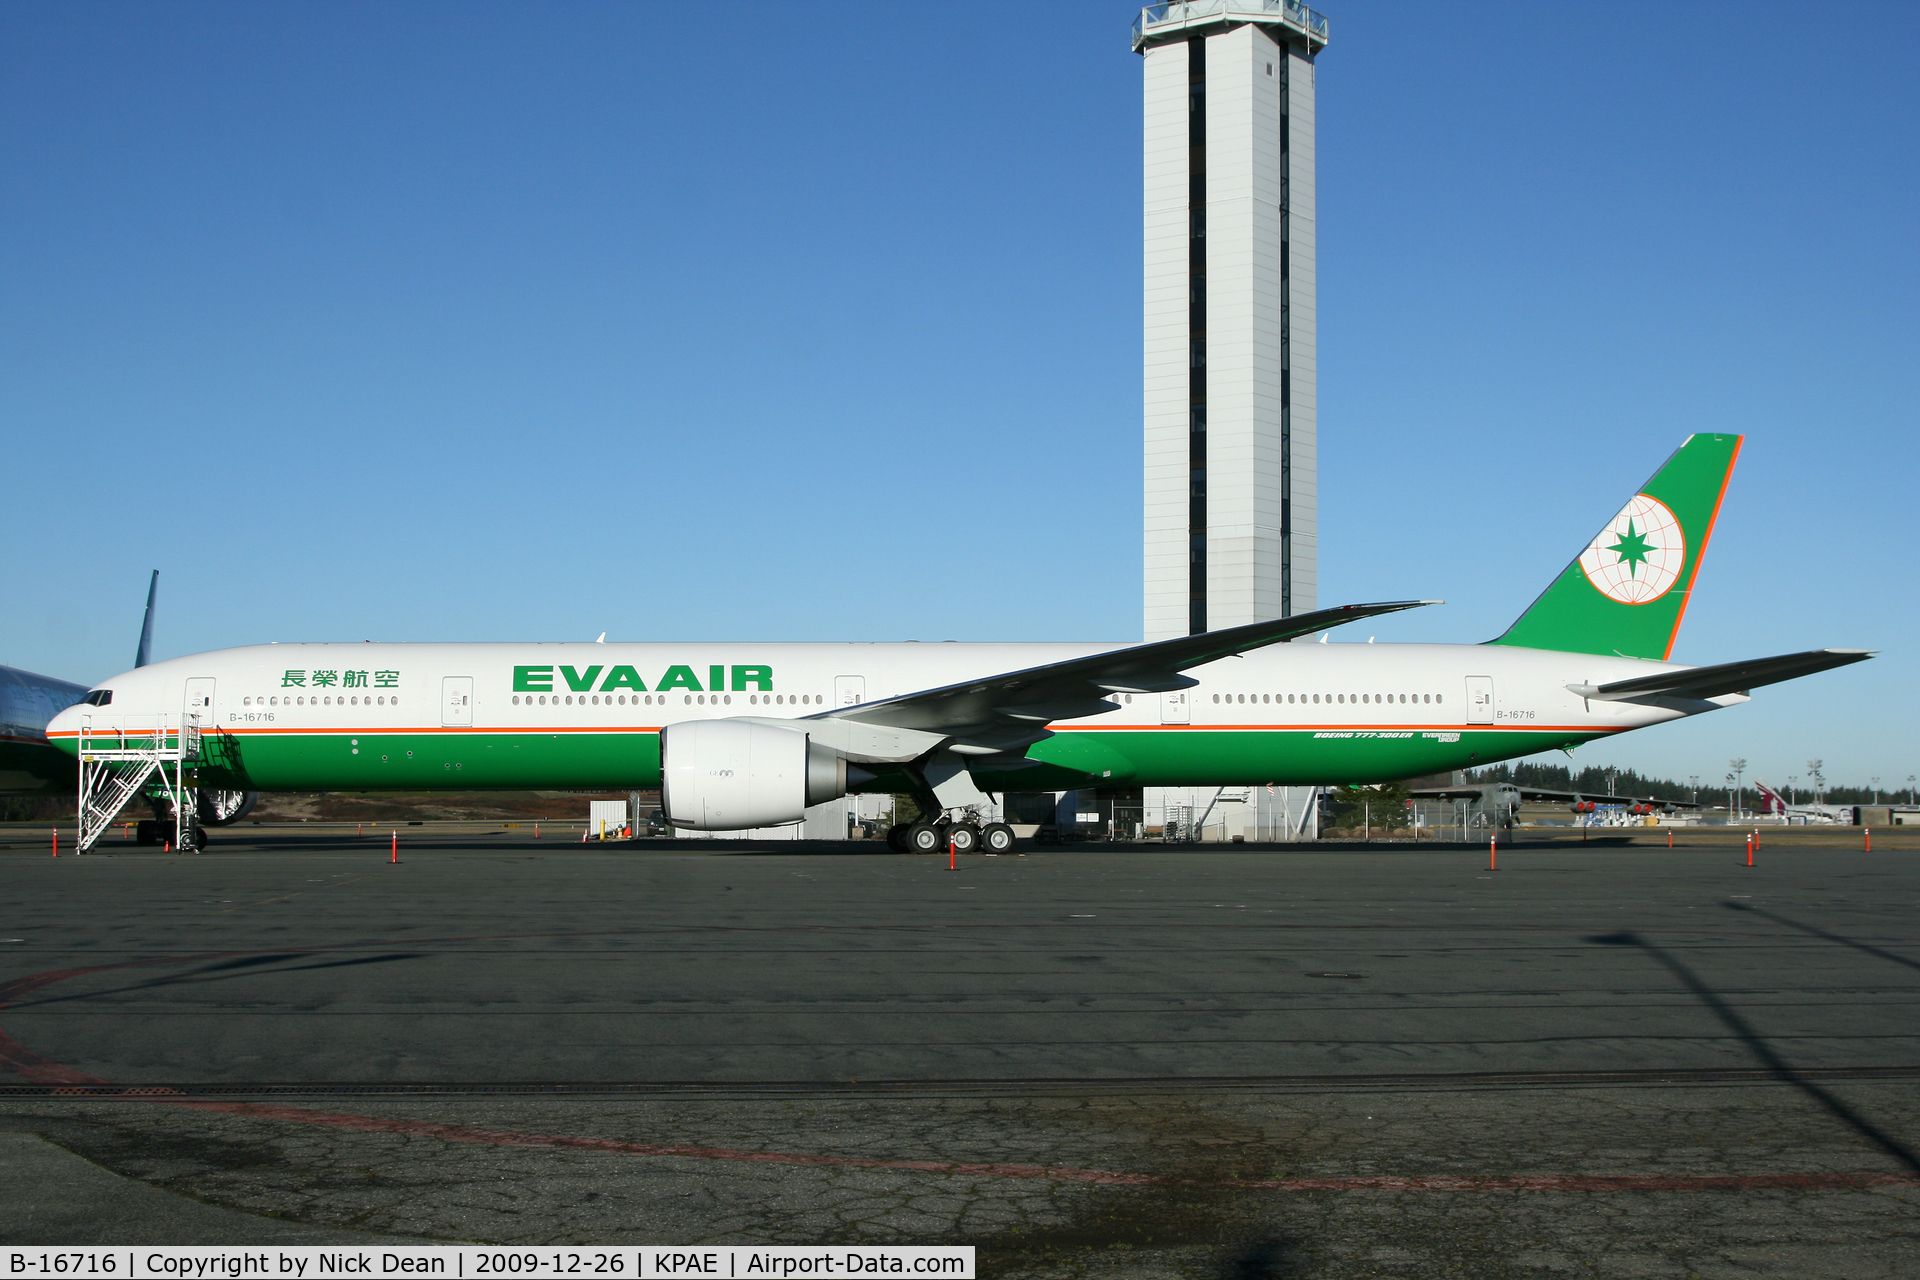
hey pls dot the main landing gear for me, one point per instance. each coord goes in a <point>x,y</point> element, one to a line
<point>965,837</point>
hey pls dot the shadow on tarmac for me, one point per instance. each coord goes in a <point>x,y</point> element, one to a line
<point>1757,1045</point>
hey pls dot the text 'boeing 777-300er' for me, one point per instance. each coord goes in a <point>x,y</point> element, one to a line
<point>749,735</point>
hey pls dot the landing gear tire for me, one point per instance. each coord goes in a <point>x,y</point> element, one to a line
<point>996,837</point>
<point>924,837</point>
<point>197,837</point>
<point>964,837</point>
<point>146,831</point>
<point>221,808</point>
<point>897,836</point>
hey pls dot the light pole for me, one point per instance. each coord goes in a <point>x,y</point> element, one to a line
<point>1792,796</point>
<point>1814,779</point>
<point>1730,793</point>
<point>1910,799</point>
<point>1739,768</point>
<point>1693,783</point>
<point>1876,791</point>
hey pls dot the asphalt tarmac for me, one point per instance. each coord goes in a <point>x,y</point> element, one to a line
<point>1091,1060</point>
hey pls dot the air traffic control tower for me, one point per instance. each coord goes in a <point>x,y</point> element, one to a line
<point>1230,312</point>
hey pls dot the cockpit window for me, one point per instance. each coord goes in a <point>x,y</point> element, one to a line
<point>99,698</point>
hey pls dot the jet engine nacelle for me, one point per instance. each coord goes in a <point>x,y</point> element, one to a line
<point>729,775</point>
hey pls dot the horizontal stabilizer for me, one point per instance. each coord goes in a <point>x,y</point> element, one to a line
<point>1727,677</point>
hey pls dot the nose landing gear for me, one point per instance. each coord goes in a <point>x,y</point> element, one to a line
<point>160,830</point>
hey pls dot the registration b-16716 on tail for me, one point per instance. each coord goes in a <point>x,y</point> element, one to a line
<point>743,735</point>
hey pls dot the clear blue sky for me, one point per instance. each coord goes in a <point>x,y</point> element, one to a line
<point>494,321</point>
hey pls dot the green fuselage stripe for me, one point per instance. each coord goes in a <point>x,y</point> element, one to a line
<point>1171,757</point>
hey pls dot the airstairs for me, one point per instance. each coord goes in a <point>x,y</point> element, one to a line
<point>117,762</point>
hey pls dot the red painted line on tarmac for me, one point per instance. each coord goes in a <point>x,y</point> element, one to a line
<point>1584,1182</point>
<point>19,1060</point>
<point>506,1138</point>
<point>22,1061</point>
<point>1053,1173</point>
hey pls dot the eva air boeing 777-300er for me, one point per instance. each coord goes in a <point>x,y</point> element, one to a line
<point>750,735</point>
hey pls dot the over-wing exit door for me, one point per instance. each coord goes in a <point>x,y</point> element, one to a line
<point>849,691</point>
<point>456,700</point>
<point>1174,707</point>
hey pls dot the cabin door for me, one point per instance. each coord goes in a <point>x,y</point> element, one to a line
<point>1479,699</point>
<point>456,700</point>
<point>200,700</point>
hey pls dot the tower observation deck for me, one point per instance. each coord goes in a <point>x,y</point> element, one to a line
<point>1230,314</point>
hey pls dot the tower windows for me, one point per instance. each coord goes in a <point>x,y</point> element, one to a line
<point>1197,333</point>
<point>1286,339</point>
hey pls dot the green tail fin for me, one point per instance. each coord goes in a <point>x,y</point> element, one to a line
<point>1627,592</point>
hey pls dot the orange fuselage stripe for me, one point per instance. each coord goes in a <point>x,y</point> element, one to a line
<point>1225,727</point>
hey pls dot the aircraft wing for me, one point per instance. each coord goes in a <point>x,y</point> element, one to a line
<point>1007,711</point>
<point>1542,795</point>
<point>1727,677</point>
<point>1594,797</point>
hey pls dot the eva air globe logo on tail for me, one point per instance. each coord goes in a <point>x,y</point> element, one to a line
<point>1638,556</point>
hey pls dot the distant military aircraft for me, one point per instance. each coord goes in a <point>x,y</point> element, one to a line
<point>1503,800</point>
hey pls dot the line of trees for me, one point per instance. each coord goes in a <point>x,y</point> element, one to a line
<point>1631,782</point>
